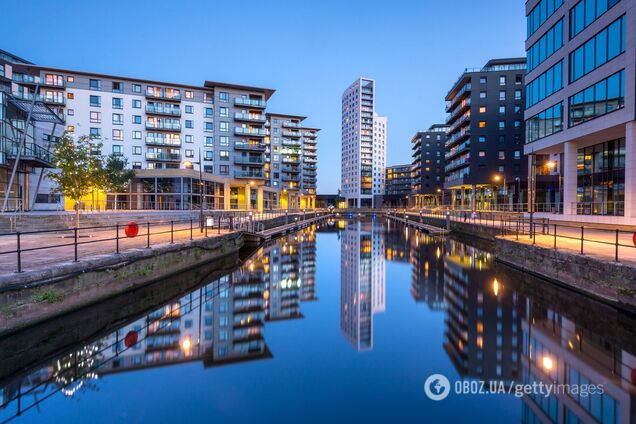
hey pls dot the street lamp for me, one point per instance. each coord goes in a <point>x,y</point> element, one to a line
<point>441,193</point>
<point>552,165</point>
<point>202,189</point>
<point>498,178</point>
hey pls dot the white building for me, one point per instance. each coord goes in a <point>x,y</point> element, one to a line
<point>363,159</point>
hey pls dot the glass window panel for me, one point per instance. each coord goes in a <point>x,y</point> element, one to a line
<point>614,40</point>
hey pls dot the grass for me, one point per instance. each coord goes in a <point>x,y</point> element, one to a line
<point>47,296</point>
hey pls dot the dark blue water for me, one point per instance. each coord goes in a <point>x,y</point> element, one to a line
<point>344,323</point>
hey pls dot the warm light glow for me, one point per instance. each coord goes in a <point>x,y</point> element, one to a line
<point>186,344</point>
<point>497,178</point>
<point>187,164</point>
<point>496,287</point>
<point>251,183</point>
<point>547,363</point>
<point>551,164</point>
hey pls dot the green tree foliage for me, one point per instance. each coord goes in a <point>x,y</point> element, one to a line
<point>115,175</point>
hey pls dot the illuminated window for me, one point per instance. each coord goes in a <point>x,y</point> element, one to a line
<point>482,124</point>
<point>482,109</point>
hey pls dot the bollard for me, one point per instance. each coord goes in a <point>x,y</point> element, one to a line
<point>191,224</point>
<point>171,232</point>
<point>117,238</point>
<point>582,232</point>
<point>19,251</point>
<point>616,255</point>
<point>75,243</point>
<point>148,235</point>
<point>555,236</point>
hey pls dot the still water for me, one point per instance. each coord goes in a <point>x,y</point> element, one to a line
<point>344,322</point>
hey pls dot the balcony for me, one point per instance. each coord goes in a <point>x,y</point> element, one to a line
<point>53,82</point>
<point>457,163</point>
<point>309,153</point>
<point>309,167</point>
<point>290,169</point>
<point>249,174</point>
<point>242,101</point>
<point>249,160</point>
<point>457,137</point>
<point>242,145</point>
<point>25,79</point>
<point>461,94</point>
<point>465,146</point>
<point>159,109</point>
<point>457,112</point>
<point>293,134</point>
<point>166,157</point>
<point>309,134</point>
<point>163,95</point>
<point>291,178</point>
<point>465,119</point>
<point>31,154</point>
<point>253,132</point>
<point>290,124</point>
<point>54,100</point>
<point>290,159</point>
<point>163,125</point>
<point>310,174</point>
<point>288,142</point>
<point>249,117</point>
<point>163,141</point>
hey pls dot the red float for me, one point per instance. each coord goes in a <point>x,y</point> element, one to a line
<point>131,339</point>
<point>131,229</point>
<point>634,239</point>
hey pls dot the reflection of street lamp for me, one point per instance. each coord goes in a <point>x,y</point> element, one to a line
<point>498,178</point>
<point>547,363</point>
<point>441,193</point>
<point>496,287</point>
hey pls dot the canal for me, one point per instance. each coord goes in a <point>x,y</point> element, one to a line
<point>344,321</point>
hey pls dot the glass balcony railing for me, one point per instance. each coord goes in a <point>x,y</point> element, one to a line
<point>239,145</point>
<point>161,156</point>
<point>258,132</point>
<point>25,79</point>
<point>163,125</point>
<point>248,174</point>
<point>163,141</point>
<point>288,142</point>
<point>163,94</point>
<point>290,124</point>
<point>249,160</point>
<point>295,134</point>
<point>250,117</point>
<point>163,110</point>
<point>242,101</point>
<point>28,151</point>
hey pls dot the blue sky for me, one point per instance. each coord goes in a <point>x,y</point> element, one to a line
<point>308,51</point>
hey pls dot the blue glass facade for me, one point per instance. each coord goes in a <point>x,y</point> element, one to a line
<point>545,85</point>
<point>545,47</point>
<point>541,13</point>
<point>599,99</point>
<point>587,11</point>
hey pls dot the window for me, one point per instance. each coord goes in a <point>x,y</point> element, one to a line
<point>118,87</point>
<point>70,78</point>
<point>189,153</point>
<point>224,155</point>
<point>483,80</point>
<point>136,88</point>
<point>136,119</point>
<point>96,117</point>
<point>603,97</point>
<point>189,94</point>
<point>546,46</point>
<point>224,169</point>
<point>502,125</point>
<point>70,112</point>
<point>541,12</point>
<point>482,94</point>
<point>117,150</point>
<point>95,101</point>
<point>189,123</point>
<point>209,155</point>
<point>224,140</point>
<point>482,109</point>
<point>482,124</point>
<point>502,95</point>
<point>136,104</point>
<point>118,103</point>
<point>502,110</point>
<point>224,127</point>
<point>136,150</point>
<point>501,169</point>
<point>188,109</point>
<point>95,132</point>
<point>517,123</point>
<point>502,154</point>
<point>95,84</point>
<point>502,80</point>
<point>598,50</point>
<point>545,85</point>
<point>586,12</point>
<point>188,139</point>
<point>224,112</point>
<point>518,79</point>
<point>209,127</point>
<point>517,109</point>
<point>118,135</point>
<point>208,168</point>
<point>118,119</point>
<point>501,139</point>
<point>224,97</point>
<point>136,165</point>
<point>482,153</point>
<point>517,94</point>
<point>482,139</point>
<point>208,141</point>
<point>517,154</point>
<point>136,135</point>
<point>70,95</point>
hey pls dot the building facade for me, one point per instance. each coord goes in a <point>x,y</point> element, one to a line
<point>364,138</point>
<point>397,186</point>
<point>580,108</point>
<point>484,151</point>
<point>172,131</point>
<point>428,166</point>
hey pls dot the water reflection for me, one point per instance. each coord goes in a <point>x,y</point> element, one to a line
<point>499,324</point>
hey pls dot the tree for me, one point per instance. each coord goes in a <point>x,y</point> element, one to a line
<point>116,177</point>
<point>79,169</point>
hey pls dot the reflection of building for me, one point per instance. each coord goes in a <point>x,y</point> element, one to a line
<point>397,186</point>
<point>362,285</point>
<point>483,336</point>
<point>427,261</point>
<point>219,323</point>
<point>556,349</point>
<point>396,242</point>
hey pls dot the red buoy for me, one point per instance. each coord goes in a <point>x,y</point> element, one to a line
<point>131,229</point>
<point>634,239</point>
<point>131,339</point>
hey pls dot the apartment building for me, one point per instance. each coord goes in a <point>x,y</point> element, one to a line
<point>484,167</point>
<point>169,132</point>
<point>364,138</point>
<point>397,186</point>
<point>580,108</point>
<point>428,166</point>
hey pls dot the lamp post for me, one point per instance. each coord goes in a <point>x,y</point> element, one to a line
<point>552,165</point>
<point>518,180</point>
<point>440,192</point>
<point>202,188</point>
<point>498,178</point>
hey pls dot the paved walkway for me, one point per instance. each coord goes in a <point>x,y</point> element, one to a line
<point>598,242</point>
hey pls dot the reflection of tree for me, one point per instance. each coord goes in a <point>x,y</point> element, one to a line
<point>76,370</point>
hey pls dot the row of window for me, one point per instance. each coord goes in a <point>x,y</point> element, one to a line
<point>545,123</point>
<point>586,12</point>
<point>545,85</point>
<point>118,103</point>
<point>545,47</point>
<point>601,98</point>
<point>598,50</point>
<point>541,13</point>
